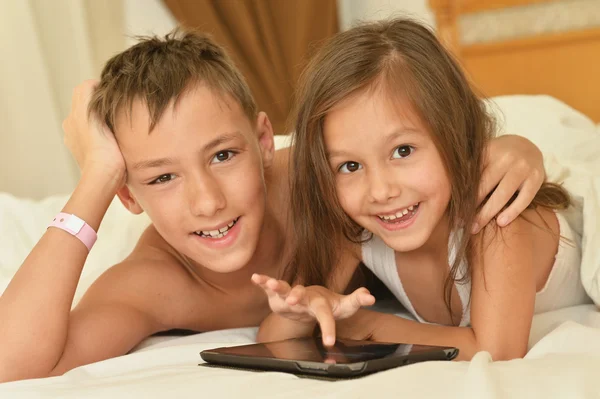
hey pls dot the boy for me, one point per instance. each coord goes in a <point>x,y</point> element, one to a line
<point>178,137</point>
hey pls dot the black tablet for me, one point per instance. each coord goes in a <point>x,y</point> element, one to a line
<point>346,358</point>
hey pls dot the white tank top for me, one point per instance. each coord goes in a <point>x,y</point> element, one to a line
<point>563,287</point>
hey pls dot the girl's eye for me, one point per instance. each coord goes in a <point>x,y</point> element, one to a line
<point>163,179</point>
<point>403,151</point>
<point>223,156</point>
<point>350,167</point>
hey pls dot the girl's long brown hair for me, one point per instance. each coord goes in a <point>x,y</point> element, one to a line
<point>404,59</point>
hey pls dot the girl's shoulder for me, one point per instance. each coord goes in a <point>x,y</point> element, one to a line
<point>536,232</point>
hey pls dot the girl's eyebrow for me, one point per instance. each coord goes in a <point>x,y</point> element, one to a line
<point>393,135</point>
<point>334,154</point>
<point>403,131</point>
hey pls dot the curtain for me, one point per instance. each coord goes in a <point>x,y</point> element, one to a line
<point>269,40</point>
<point>48,47</point>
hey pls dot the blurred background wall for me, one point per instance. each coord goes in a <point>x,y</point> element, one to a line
<point>48,47</point>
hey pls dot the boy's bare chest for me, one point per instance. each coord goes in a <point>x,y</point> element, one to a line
<point>223,307</point>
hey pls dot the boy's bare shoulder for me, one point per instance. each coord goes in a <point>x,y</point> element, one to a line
<point>157,282</point>
<point>151,279</point>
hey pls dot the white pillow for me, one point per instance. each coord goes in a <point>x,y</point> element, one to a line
<point>552,125</point>
<point>23,221</point>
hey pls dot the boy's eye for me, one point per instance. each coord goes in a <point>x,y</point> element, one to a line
<point>223,156</point>
<point>162,178</point>
<point>403,151</point>
<point>350,167</point>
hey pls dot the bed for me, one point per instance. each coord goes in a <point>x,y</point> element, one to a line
<point>564,356</point>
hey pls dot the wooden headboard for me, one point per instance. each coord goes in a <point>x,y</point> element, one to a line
<point>565,65</point>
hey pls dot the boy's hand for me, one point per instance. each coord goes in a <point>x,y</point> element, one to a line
<point>305,304</point>
<point>90,141</point>
<point>512,164</point>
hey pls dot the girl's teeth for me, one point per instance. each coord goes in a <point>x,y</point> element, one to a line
<point>401,213</point>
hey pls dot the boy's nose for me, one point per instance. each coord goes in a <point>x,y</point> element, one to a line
<point>205,197</point>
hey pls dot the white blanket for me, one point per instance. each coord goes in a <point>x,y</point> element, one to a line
<point>563,364</point>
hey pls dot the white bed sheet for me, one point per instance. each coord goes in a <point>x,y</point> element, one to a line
<point>562,364</point>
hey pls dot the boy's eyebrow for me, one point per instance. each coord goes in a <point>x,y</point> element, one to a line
<point>152,163</point>
<point>155,163</point>
<point>221,139</point>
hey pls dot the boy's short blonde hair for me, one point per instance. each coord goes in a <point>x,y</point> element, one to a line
<point>157,70</point>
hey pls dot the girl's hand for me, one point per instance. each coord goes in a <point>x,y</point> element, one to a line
<point>513,164</point>
<point>305,304</point>
<point>90,141</point>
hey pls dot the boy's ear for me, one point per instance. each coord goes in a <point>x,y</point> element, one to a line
<point>128,200</point>
<point>265,138</point>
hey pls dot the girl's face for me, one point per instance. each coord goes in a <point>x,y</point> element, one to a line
<point>390,178</point>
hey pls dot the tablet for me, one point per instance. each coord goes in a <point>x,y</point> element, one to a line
<point>347,358</point>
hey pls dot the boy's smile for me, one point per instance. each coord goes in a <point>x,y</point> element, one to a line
<point>199,175</point>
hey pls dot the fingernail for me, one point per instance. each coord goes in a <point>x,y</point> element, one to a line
<point>475,228</point>
<point>502,220</point>
<point>329,340</point>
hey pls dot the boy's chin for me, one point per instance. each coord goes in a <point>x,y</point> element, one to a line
<point>227,263</point>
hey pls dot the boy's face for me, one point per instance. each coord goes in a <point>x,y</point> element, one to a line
<point>199,175</point>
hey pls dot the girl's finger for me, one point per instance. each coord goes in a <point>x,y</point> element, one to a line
<point>279,286</point>
<point>296,295</point>
<point>321,309</point>
<point>351,303</point>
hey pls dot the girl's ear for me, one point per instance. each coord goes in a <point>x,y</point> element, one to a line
<point>264,130</point>
<point>129,201</point>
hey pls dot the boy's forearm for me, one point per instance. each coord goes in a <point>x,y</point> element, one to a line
<point>276,328</point>
<point>35,306</point>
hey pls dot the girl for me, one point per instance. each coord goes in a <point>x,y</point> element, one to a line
<point>389,150</point>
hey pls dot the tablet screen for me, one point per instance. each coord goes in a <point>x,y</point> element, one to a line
<point>313,350</point>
